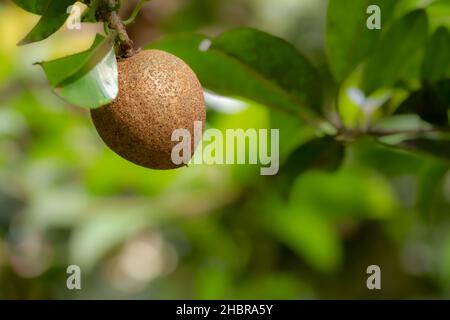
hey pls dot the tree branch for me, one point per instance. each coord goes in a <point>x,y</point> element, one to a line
<point>108,12</point>
<point>383,133</point>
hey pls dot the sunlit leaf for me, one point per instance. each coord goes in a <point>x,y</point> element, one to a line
<point>90,78</point>
<point>97,88</point>
<point>68,69</point>
<point>439,13</point>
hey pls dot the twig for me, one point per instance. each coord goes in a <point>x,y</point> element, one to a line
<point>135,12</point>
<point>383,133</point>
<point>108,13</point>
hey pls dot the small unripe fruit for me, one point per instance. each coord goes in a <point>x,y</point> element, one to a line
<point>158,93</point>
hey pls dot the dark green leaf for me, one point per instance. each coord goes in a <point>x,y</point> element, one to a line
<point>274,59</point>
<point>33,6</point>
<point>395,51</point>
<point>436,148</point>
<point>436,64</point>
<point>324,154</point>
<point>348,40</point>
<point>52,19</point>
<point>87,79</point>
<point>226,75</point>
<point>89,15</point>
<point>429,104</point>
<point>443,88</point>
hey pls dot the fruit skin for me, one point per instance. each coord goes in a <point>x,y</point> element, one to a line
<point>158,93</point>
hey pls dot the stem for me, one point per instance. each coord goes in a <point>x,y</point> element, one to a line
<point>383,133</point>
<point>337,122</point>
<point>107,12</point>
<point>136,11</point>
<point>94,5</point>
<point>126,44</point>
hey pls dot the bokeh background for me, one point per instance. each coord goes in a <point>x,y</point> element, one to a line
<point>203,232</point>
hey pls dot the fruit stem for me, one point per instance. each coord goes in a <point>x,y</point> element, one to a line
<point>108,12</point>
<point>126,44</point>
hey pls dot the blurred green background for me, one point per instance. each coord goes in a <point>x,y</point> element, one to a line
<point>203,232</point>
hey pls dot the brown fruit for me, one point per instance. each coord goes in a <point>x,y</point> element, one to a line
<point>158,93</point>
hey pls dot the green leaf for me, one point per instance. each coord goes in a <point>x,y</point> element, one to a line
<point>309,235</point>
<point>97,88</point>
<point>443,262</point>
<point>433,147</point>
<point>348,40</point>
<point>52,19</point>
<point>89,15</point>
<point>429,104</point>
<point>33,6</point>
<point>348,193</point>
<point>439,13</point>
<point>443,88</point>
<point>323,153</point>
<point>226,75</point>
<point>395,51</point>
<point>274,59</point>
<point>68,69</point>
<point>431,179</point>
<point>436,64</point>
<point>89,79</point>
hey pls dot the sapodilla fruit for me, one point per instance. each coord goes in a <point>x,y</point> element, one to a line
<point>158,93</point>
